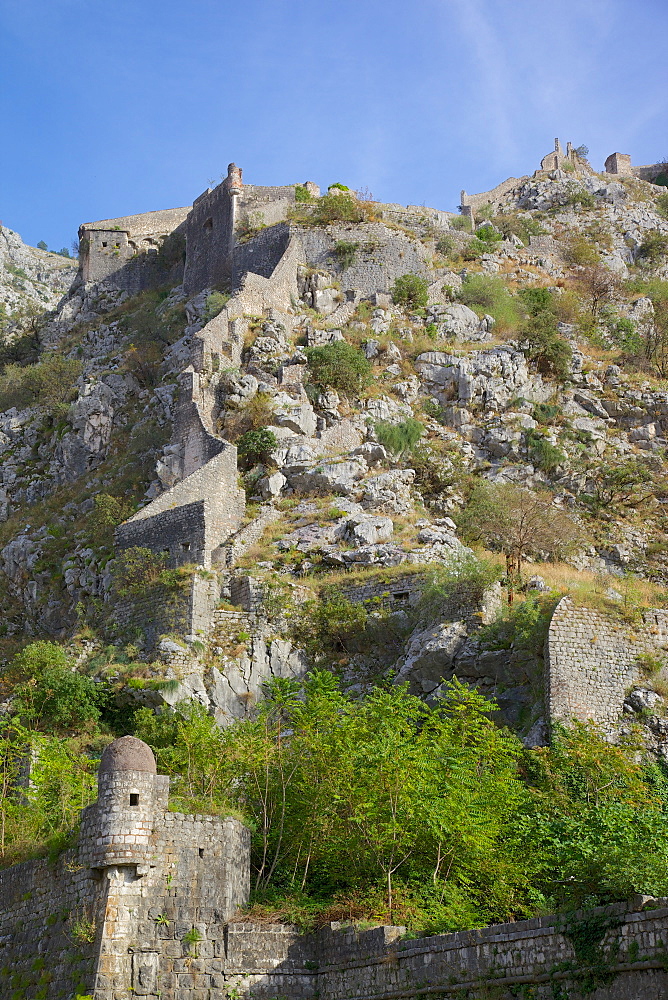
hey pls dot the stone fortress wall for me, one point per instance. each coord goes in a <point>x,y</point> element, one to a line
<point>146,906</point>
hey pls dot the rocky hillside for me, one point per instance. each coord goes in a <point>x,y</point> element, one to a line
<point>30,277</point>
<point>525,359</point>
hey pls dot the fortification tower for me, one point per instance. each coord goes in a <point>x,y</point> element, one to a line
<point>132,798</point>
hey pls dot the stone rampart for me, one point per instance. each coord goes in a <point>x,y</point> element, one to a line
<point>262,253</point>
<point>494,195</point>
<point>192,519</point>
<point>592,661</point>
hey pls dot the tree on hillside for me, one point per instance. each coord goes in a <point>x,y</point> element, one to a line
<point>519,522</point>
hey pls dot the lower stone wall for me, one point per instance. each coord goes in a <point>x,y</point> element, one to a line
<point>49,915</point>
<point>533,959</point>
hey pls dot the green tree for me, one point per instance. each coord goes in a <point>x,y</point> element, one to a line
<point>52,694</point>
<point>519,522</point>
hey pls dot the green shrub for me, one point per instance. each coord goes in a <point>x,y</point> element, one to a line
<point>461,584</point>
<point>514,224</point>
<point>578,196</point>
<point>662,205</point>
<point>302,193</point>
<point>399,438</point>
<point>542,344</point>
<point>624,334</point>
<point>578,249</point>
<point>474,249</point>
<point>254,446</point>
<point>542,452</point>
<point>536,300</point>
<point>215,303</point>
<point>489,294</point>
<point>138,569</point>
<point>546,413</point>
<point>107,513</point>
<point>488,234</point>
<point>461,223</point>
<point>345,253</point>
<point>445,245</point>
<point>654,247</point>
<point>523,625</point>
<point>338,206</point>
<point>339,366</point>
<point>410,291</point>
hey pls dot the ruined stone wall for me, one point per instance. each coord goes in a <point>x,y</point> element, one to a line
<point>189,521</point>
<point>262,253</point>
<point>534,958</point>
<point>592,661</point>
<point>390,592</point>
<point>46,912</point>
<point>494,195</point>
<point>157,611</point>
<point>383,255</point>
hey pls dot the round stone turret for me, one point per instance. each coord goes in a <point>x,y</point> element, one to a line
<point>132,799</point>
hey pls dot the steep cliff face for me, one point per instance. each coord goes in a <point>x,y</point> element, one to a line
<point>530,352</point>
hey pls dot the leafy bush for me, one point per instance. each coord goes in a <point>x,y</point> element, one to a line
<point>302,193</point>
<point>137,569</point>
<point>522,625</point>
<point>399,438</point>
<point>578,249</point>
<point>461,222</point>
<point>624,334</point>
<point>215,303</point>
<point>546,413</point>
<point>338,206</point>
<point>542,452</point>
<point>536,300</point>
<point>345,253</point>
<point>107,513</point>
<point>53,695</point>
<point>489,235</point>
<point>662,205</point>
<point>654,247</point>
<point>458,586</point>
<point>49,384</point>
<point>542,344</point>
<point>514,224</point>
<point>339,366</point>
<point>489,294</point>
<point>411,291</point>
<point>254,446</point>
<point>579,196</point>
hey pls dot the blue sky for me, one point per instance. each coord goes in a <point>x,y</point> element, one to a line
<point>110,107</point>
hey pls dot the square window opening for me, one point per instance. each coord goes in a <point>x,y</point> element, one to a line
<point>134,799</point>
<point>201,852</point>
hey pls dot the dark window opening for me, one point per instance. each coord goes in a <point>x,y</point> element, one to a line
<point>134,799</point>
<point>201,852</point>
<point>104,244</point>
<point>185,546</point>
<point>402,597</point>
<point>208,224</point>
